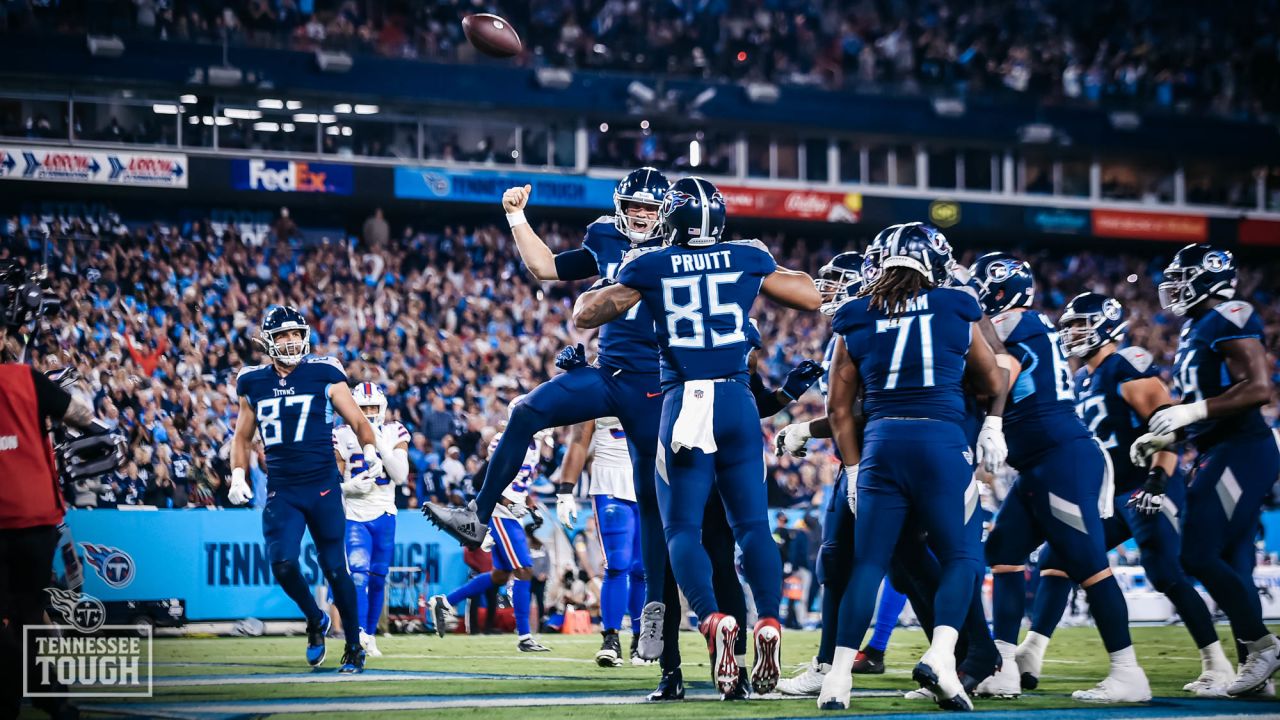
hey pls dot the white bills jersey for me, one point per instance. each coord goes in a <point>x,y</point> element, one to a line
<point>518,491</point>
<point>382,498</point>
<point>611,461</point>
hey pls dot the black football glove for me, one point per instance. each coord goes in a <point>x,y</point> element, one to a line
<point>801,378</point>
<point>1148,499</point>
<point>572,357</point>
<point>535,519</point>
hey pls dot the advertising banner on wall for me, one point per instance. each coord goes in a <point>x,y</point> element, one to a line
<point>97,167</point>
<point>292,176</point>
<point>1150,226</point>
<point>217,560</point>
<point>776,204</point>
<point>487,186</point>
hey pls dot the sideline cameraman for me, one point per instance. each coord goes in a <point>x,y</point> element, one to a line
<point>31,504</point>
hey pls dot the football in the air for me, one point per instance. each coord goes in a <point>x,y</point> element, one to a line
<point>491,35</point>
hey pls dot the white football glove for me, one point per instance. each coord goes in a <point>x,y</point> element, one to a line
<point>851,483</point>
<point>566,510</point>
<point>792,440</point>
<point>1147,445</point>
<point>1174,418</point>
<point>992,450</point>
<point>239,493</point>
<point>361,484</point>
<point>517,509</point>
<point>372,462</point>
<point>488,542</point>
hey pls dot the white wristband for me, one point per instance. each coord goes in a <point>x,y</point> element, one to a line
<point>370,451</point>
<point>516,218</point>
<point>851,472</point>
<point>994,421</point>
<point>804,429</point>
<point>237,476</point>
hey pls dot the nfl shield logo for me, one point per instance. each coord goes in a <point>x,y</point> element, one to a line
<point>697,394</point>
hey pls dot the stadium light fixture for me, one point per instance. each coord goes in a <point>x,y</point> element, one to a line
<point>105,46</point>
<point>367,109</point>
<point>306,117</point>
<point>553,78</point>
<point>194,120</point>
<point>333,62</point>
<point>644,124</point>
<point>288,127</point>
<point>293,104</point>
<point>222,121</point>
<point>342,108</point>
<point>189,99</point>
<point>1125,120</point>
<point>641,93</point>
<point>763,93</point>
<point>328,118</point>
<point>604,127</point>
<point>266,127</point>
<point>242,113</point>
<point>346,131</point>
<point>695,153</point>
<point>949,107</point>
<point>164,109</point>
<point>331,130</point>
<point>271,104</point>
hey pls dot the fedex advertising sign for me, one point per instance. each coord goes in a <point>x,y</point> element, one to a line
<point>291,176</point>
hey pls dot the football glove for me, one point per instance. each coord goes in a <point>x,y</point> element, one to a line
<point>792,440</point>
<point>239,492</point>
<point>1173,418</point>
<point>572,357</point>
<point>801,378</point>
<point>1147,445</point>
<point>566,509</point>
<point>361,484</point>
<point>1148,499</point>
<point>992,450</point>
<point>488,542</point>
<point>535,518</point>
<point>851,481</point>
<point>372,463</point>
<point>517,509</point>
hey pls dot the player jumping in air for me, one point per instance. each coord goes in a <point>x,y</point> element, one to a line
<point>370,503</point>
<point>1222,377</point>
<point>290,403</point>
<point>701,290</point>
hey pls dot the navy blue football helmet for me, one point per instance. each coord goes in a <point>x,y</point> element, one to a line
<point>922,248</point>
<point>279,319</point>
<point>1003,282</point>
<point>839,280</point>
<point>874,254</point>
<point>646,187</point>
<point>1089,321</point>
<point>693,213</point>
<point>1196,273</point>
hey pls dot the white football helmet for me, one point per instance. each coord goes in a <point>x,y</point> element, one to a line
<point>370,397</point>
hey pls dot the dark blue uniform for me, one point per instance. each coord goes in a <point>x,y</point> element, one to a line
<point>1100,403</point>
<point>1237,465</point>
<point>1062,475</point>
<point>295,422</point>
<point>624,384</point>
<point>709,433</point>
<point>915,459</point>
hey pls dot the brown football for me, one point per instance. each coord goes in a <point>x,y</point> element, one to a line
<point>491,35</point>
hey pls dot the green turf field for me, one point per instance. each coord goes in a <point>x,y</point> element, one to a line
<point>428,677</point>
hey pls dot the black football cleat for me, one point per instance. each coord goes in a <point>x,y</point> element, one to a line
<point>530,645</point>
<point>741,689</point>
<point>869,661</point>
<point>352,661</point>
<point>610,652</point>
<point>670,687</point>
<point>316,633</point>
<point>461,523</point>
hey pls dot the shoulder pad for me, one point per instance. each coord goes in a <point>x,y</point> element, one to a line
<point>1004,324</point>
<point>399,429</point>
<point>1237,312</point>
<point>1140,358</point>
<point>327,360</point>
<point>248,369</point>
<point>602,220</point>
<point>634,253</point>
<point>752,243</point>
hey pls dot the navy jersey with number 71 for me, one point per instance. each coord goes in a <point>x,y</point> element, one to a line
<point>295,419</point>
<point>911,365</point>
<point>700,299</point>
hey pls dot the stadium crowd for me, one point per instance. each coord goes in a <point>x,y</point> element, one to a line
<point>1185,56</point>
<point>160,317</point>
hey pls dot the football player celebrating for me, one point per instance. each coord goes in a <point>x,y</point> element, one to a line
<point>510,547</point>
<point>907,345</point>
<point>1062,491</point>
<point>1117,390</point>
<point>370,503</point>
<point>613,496</point>
<point>1222,376</point>
<point>287,403</point>
<point>702,288</point>
<point>623,383</point>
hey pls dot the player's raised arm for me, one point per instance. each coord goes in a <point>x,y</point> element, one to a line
<point>791,288</point>
<point>534,253</point>
<point>597,307</point>
<point>340,396</point>
<point>575,459</point>
<point>241,445</point>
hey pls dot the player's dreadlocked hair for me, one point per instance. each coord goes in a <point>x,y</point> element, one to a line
<point>895,287</point>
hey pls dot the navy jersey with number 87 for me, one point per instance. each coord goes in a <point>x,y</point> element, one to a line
<point>295,419</point>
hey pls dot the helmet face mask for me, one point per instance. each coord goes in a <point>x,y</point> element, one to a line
<point>839,280</point>
<point>288,345</point>
<point>637,204</point>
<point>371,401</point>
<point>1090,321</point>
<point>1197,273</point>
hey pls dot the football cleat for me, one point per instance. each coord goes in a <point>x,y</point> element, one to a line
<point>670,687</point>
<point>635,651</point>
<point>370,645</point>
<point>808,682</point>
<point>352,661</point>
<point>741,689</point>
<point>1003,683</point>
<point>530,645</point>
<point>461,523</point>
<point>440,610</point>
<point>1030,659</point>
<point>938,676</point>
<point>869,661</point>
<point>1262,662</point>
<point>919,694</point>
<point>721,631</point>
<point>316,633</point>
<point>610,652</point>
<point>650,645</point>
<point>836,688</point>
<point>1123,685</point>
<point>765,672</point>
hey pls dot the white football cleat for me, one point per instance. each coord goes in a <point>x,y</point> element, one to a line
<point>650,645</point>
<point>1123,685</point>
<point>1213,682</point>
<point>1004,683</point>
<point>808,682</point>
<point>936,671</point>
<point>919,694</point>
<point>1262,662</point>
<point>1030,660</point>
<point>836,689</point>
<point>439,609</point>
<point>370,645</point>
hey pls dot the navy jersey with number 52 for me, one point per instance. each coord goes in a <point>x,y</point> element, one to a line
<point>1200,370</point>
<point>1101,405</point>
<point>912,365</point>
<point>295,418</point>
<point>701,299</point>
<point>1041,412</point>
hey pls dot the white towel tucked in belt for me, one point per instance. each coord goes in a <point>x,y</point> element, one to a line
<point>695,428</point>
<point>1107,497</point>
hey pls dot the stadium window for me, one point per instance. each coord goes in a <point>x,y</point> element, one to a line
<point>850,161</point>
<point>877,165</point>
<point>1221,182</point>
<point>1035,172</point>
<point>1272,189</point>
<point>43,119</point>
<point>815,159</point>
<point>565,148</point>
<point>1147,180</point>
<point>981,169</point>
<point>758,156</point>
<point>942,169</point>
<point>1074,177</point>
<point>786,158</point>
<point>131,121</point>
<point>905,159</point>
